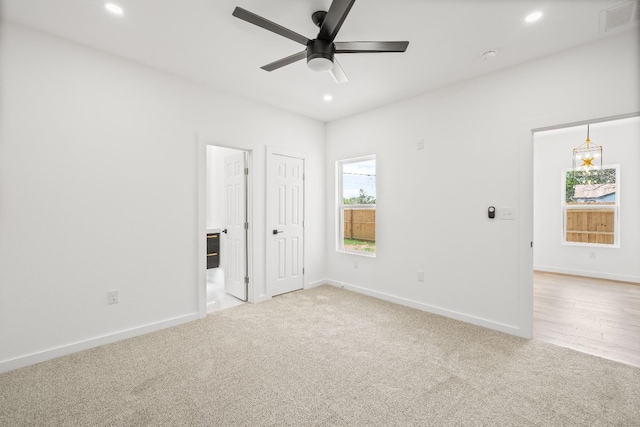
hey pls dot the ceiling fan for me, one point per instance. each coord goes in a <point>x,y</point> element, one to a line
<point>320,52</point>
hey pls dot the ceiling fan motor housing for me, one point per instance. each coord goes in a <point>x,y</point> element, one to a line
<point>320,55</point>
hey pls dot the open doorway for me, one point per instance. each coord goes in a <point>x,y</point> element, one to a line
<point>227,227</point>
<point>586,281</point>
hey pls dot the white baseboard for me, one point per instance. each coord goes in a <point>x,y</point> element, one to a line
<point>489,324</point>
<point>317,283</point>
<point>43,356</point>
<point>585,273</point>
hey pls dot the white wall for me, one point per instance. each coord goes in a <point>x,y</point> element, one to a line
<point>552,154</point>
<point>99,187</point>
<point>99,190</point>
<point>432,204</point>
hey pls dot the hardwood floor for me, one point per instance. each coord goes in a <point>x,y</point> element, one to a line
<point>595,316</point>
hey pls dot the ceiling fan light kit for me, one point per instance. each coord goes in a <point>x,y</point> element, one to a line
<point>320,55</point>
<point>320,52</point>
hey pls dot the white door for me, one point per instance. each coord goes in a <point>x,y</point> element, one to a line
<point>234,236</point>
<point>286,215</point>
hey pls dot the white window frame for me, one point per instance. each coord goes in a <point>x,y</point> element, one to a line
<point>616,214</point>
<point>341,206</point>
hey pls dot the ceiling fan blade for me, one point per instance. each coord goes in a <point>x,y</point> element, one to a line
<point>336,15</point>
<point>370,47</point>
<point>254,19</point>
<point>338,73</point>
<point>285,61</point>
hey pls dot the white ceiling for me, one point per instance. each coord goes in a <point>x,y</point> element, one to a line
<point>202,41</point>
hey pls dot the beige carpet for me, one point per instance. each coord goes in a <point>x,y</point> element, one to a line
<point>324,357</point>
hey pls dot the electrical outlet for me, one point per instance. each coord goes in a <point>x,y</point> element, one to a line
<point>112,297</point>
<point>355,263</point>
<point>420,144</point>
<point>420,276</point>
<point>592,254</point>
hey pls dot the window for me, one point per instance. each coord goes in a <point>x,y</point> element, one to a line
<point>357,205</point>
<point>591,203</point>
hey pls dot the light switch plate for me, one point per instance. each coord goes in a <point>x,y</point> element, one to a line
<point>507,213</point>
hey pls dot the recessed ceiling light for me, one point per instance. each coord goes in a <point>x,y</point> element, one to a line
<point>327,98</point>
<point>533,17</point>
<point>114,8</point>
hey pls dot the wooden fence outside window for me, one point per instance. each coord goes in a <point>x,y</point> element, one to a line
<point>360,224</point>
<point>591,226</point>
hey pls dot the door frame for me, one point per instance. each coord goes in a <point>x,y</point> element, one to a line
<point>525,137</point>
<point>270,267</point>
<point>201,227</point>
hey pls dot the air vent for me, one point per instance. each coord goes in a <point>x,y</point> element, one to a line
<point>619,16</point>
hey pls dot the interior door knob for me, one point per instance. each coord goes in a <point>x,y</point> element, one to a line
<point>224,231</point>
<point>276,231</point>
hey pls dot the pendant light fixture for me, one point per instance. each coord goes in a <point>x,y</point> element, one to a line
<point>587,157</point>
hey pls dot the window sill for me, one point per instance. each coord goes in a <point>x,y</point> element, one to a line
<point>364,254</point>
<point>594,245</point>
